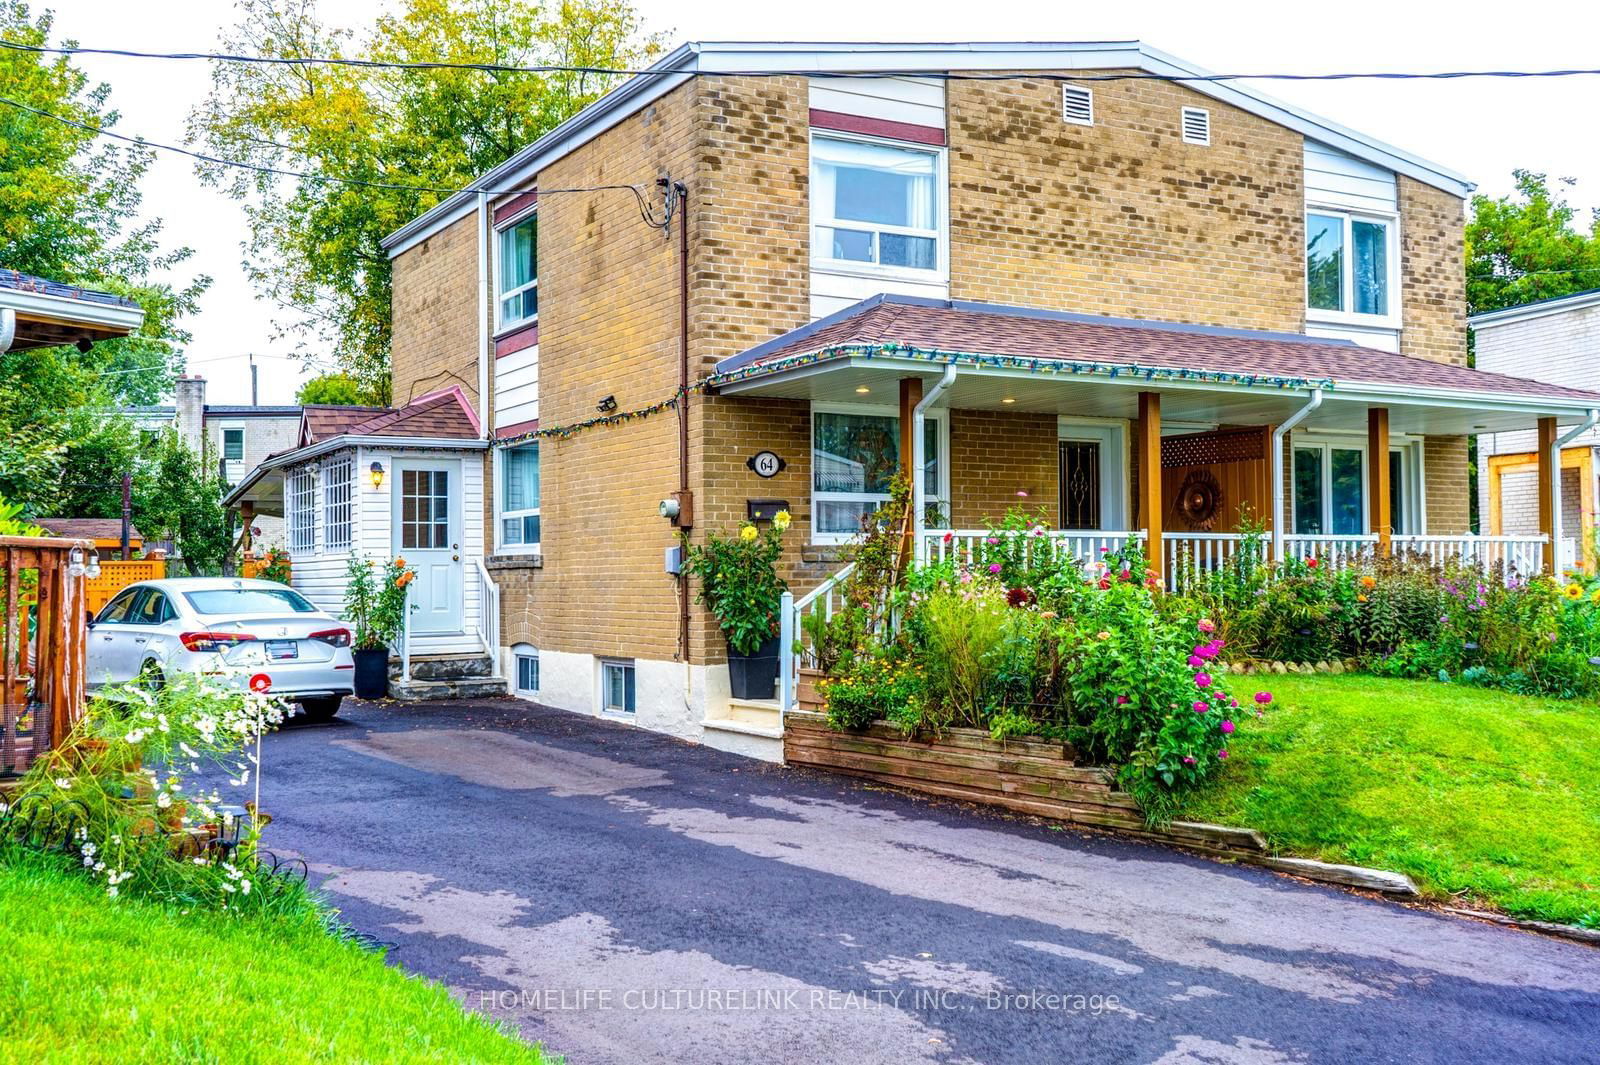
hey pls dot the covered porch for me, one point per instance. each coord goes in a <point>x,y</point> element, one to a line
<point>1188,438</point>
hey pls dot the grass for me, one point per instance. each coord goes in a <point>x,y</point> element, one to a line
<point>88,979</point>
<point>1491,798</point>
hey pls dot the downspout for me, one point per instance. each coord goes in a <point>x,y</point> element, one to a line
<point>1555,491</point>
<point>485,314</point>
<point>1278,436</point>
<point>919,488</point>
<point>682,192</point>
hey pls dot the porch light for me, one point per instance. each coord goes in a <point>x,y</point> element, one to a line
<point>75,567</point>
<point>862,390</point>
<point>376,472</point>
<point>1008,399</point>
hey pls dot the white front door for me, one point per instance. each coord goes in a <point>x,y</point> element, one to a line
<point>427,534</point>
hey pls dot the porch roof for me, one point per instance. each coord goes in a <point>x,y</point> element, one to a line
<point>36,312</point>
<point>1212,374</point>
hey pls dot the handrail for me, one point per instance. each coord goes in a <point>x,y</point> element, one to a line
<point>790,628</point>
<point>489,616</point>
<point>405,638</point>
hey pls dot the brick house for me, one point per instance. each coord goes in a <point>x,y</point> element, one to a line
<point>1038,288</point>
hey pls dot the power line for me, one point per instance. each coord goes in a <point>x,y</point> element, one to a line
<point>552,68</point>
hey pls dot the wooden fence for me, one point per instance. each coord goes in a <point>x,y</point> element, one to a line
<point>43,636</point>
<point>116,575</point>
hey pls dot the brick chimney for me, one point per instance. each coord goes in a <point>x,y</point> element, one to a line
<point>190,399</point>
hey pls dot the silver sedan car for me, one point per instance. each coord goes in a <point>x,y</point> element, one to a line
<point>235,631</point>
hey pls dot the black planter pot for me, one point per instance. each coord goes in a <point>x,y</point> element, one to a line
<point>754,676</point>
<point>372,672</point>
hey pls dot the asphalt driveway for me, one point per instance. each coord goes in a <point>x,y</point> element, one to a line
<point>627,898</point>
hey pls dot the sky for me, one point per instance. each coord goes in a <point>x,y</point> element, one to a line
<point>1481,128</point>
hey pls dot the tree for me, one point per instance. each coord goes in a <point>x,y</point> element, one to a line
<point>315,243</point>
<point>178,497</point>
<point>1524,247</point>
<point>338,389</point>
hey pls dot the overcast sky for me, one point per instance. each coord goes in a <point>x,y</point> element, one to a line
<point>1481,128</point>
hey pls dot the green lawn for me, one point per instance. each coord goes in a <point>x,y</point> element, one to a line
<point>87,979</point>
<point>1489,797</point>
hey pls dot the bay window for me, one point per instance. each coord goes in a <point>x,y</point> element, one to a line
<point>519,498</point>
<point>1350,265</point>
<point>518,274</point>
<point>875,204</point>
<point>855,455</point>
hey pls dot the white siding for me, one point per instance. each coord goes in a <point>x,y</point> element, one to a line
<point>919,101</point>
<point>1382,339</point>
<point>834,291</point>
<point>1338,179</point>
<point>516,387</point>
<point>1561,348</point>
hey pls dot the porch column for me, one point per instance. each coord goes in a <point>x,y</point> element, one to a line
<point>1547,491</point>
<point>1379,517</point>
<point>910,396</point>
<point>1150,494</point>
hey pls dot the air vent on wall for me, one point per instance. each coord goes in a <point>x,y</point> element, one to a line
<point>1077,105</point>
<point>1196,125</point>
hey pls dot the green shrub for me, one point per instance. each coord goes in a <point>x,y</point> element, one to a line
<point>875,687</point>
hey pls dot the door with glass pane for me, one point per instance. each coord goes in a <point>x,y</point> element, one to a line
<point>427,534</point>
<point>1079,473</point>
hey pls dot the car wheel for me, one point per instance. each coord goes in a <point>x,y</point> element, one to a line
<point>320,710</point>
<point>150,677</point>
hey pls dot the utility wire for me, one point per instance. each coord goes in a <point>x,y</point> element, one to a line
<point>509,68</point>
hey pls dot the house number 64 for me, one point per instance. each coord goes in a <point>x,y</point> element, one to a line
<point>766,464</point>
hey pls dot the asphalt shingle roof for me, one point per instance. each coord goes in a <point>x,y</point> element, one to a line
<point>20,282</point>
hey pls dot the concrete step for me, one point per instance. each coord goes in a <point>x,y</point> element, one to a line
<point>445,667</point>
<point>417,690</point>
<point>749,717</point>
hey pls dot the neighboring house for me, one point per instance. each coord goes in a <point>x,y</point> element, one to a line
<point>106,533</point>
<point>39,313</point>
<point>1032,290</point>
<point>238,436</point>
<point>1555,340</point>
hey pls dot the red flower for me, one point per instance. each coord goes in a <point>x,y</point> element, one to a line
<point>1311,562</point>
<point>1019,596</point>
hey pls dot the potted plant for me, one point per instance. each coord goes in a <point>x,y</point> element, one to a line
<point>376,603</point>
<point>739,581</point>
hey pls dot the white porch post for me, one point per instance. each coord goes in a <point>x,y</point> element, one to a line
<point>919,458</point>
<point>1279,435</point>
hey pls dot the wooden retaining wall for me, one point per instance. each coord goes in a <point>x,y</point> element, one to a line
<point>1026,776</point>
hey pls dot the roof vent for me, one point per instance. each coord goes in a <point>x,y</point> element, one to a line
<point>1077,105</point>
<point>1196,125</point>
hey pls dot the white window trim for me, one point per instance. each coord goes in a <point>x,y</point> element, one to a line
<point>301,518</point>
<point>939,417</point>
<point>1112,436</point>
<point>223,429</point>
<point>328,486</point>
<point>600,665</point>
<point>501,325</point>
<point>941,231</point>
<point>500,513</point>
<point>1411,471</point>
<point>1347,273</point>
<point>518,653</point>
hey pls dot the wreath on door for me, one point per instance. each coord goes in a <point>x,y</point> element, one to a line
<point>1200,499</point>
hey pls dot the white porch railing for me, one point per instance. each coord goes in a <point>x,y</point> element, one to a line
<point>1085,546</point>
<point>405,638</point>
<point>824,599</point>
<point>489,616</point>
<point>1335,549</point>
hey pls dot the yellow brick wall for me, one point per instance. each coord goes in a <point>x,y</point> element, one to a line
<point>435,329</point>
<point>994,455</point>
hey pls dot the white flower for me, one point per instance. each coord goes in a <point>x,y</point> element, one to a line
<point>64,783</point>
<point>198,861</point>
<point>244,886</point>
<point>188,750</point>
<point>163,800</point>
<point>112,891</point>
<point>227,887</point>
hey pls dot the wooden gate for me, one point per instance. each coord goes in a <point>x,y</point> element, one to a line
<point>43,634</point>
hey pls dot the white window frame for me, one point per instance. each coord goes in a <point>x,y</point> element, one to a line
<point>1412,486</point>
<point>602,668</point>
<point>500,513</point>
<point>338,504</point>
<point>222,441</point>
<point>300,501</point>
<point>501,324</point>
<point>1347,272</point>
<point>519,653</point>
<point>882,411</point>
<point>940,232</point>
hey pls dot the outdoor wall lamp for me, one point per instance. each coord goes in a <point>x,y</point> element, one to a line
<point>377,474</point>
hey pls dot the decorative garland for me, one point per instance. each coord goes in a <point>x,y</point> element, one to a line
<point>562,432</point>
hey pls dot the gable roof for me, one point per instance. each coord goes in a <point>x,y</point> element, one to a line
<point>715,57</point>
<point>318,421</point>
<point>1574,301</point>
<point>444,414</point>
<point>946,330</point>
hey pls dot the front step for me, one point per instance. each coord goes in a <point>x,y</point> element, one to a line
<point>419,690</point>
<point>445,667</point>
<point>749,717</point>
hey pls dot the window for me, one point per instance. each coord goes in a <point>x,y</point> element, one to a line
<point>233,444</point>
<point>116,611</point>
<point>1349,264</point>
<point>519,273</point>
<point>875,204</point>
<point>337,489</point>
<point>424,510</point>
<point>519,496</point>
<point>616,687</point>
<point>237,601</point>
<point>1329,489</point>
<point>153,609</point>
<point>1196,123</point>
<point>527,669</point>
<point>1077,105</point>
<point>854,456</point>
<point>303,509</point>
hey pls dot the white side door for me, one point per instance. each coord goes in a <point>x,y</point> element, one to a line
<point>427,534</point>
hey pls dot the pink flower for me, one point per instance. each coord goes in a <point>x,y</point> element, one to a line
<point>1201,706</point>
<point>994,567</point>
<point>1188,759</point>
<point>1202,680</point>
<point>1207,625</point>
<point>1022,493</point>
<point>1105,550</point>
<point>1263,698</point>
<point>991,539</point>
<point>1195,661</point>
<point>1226,726</point>
<point>1223,754</point>
<point>1123,700</point>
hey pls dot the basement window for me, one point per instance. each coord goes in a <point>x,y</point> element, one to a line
<point>527,669</point>
<point>616,686</point>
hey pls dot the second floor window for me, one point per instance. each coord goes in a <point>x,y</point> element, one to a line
<point>233,444</point>
<point>519,497</point>
<point>1349,264</point>
<point>519,274</point>
<point>874,204</point>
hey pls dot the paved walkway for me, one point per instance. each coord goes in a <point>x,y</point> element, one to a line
<point>626,898</point>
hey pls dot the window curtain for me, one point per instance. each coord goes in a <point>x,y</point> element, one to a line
<point>1370,259</point>
<point>521,478</point>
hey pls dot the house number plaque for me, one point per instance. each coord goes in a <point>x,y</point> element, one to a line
<point>766,464</point>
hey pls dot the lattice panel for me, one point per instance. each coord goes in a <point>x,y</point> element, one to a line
<point>1214,448</point>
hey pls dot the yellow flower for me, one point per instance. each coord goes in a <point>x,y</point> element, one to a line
<point>1104,635</point>
<point>1594,596</point>
<point>1573,591</point>
<point>780,520</point>
<point>1368,581</point>
<point>748,533</point>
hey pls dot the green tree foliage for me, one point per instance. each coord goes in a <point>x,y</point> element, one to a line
<point>69,211</point>
<point>1525,247</point>
<point>317,242</point>
<point>178,498</point>
<point>338,389</point>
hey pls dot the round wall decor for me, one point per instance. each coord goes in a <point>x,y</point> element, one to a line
<point>1200,499</point>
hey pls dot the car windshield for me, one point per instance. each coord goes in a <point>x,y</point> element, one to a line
<point>248,601</point>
